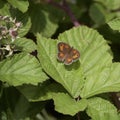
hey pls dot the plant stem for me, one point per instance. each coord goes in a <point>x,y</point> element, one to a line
<point>64,6</point>
<point>69,12</point>
<point>78,114</point>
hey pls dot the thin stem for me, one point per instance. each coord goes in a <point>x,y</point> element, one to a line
<point>70,13</point>
<point>64,6</point>
<point>78,114</point>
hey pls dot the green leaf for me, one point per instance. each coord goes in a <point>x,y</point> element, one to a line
<point>99,14</point>
<point>3,115</point>
<point>110,4</point>
<point>114,24</point>
<point>22,5</point>
<point>72,77</point>
<point>33,93</point>
<point>21,69</point>
<point>44,21</point>
<point>106,79</point>
<point>119,115</point>
<point>69,76</point>
<point>25,44</point>
<point>67,105</point>
<point>89,41</point>
<point>95,53</point>
<point>24,109</point>
<point>100,109</point>
<point>4,8</point>
<point>57,93</point>
<point>21,108</point>
<point>25,19</point>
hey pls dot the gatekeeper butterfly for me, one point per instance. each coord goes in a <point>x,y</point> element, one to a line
<point>67,54</point>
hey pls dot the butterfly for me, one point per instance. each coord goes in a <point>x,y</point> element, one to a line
<point>67,54</point>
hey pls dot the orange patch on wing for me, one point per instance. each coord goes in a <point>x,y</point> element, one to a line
<point>69,59</point>
<point>75,56</point>
<point>61,55</point>
<point>61,47</point>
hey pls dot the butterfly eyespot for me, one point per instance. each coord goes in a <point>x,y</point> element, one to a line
<point>68,60</point>
<point>61,54</point>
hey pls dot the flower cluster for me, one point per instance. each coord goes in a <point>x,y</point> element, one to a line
<point>9,27</point>
<point>8,33</point>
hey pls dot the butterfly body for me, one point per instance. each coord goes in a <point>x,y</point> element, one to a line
<point>67,54</point>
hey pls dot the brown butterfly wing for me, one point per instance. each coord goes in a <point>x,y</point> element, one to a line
<point>63,50</point>
<point>75,54</point>
<point>68,60</point>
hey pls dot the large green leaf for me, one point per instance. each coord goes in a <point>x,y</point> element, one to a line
<point>110,4</point>
<point>23,108</point>
<point>42,92</point>
<point>87,41</point>
<point>99,14</point>
<point>69,76</point>
<point>4,8</point>
<point>92,47</point>
<point>26,24</point>
<point>100,109</point>
<point>114,24</point>
<point>106,79</point>
<point>25,44</point>
<point>21,69</point>
<point>44,19</point>
<point>46,91</point>
<point>67,105</point>
<point>22,5</point>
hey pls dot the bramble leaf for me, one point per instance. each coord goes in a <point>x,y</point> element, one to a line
<point>87,41</point>
<point>106,79</point>
<point>21,69</point>
<point>100,109</point>
<point>4,8</point>
<point>66,75</point>
<point>72,77</point>
<point>71,106</point>
<point>25,44</point>
<point>99,14</point>
<point>22,5</point>
<point>110,4</point>
<point>44,19</point>
<point>41,92</point>
<point>114,24</point>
